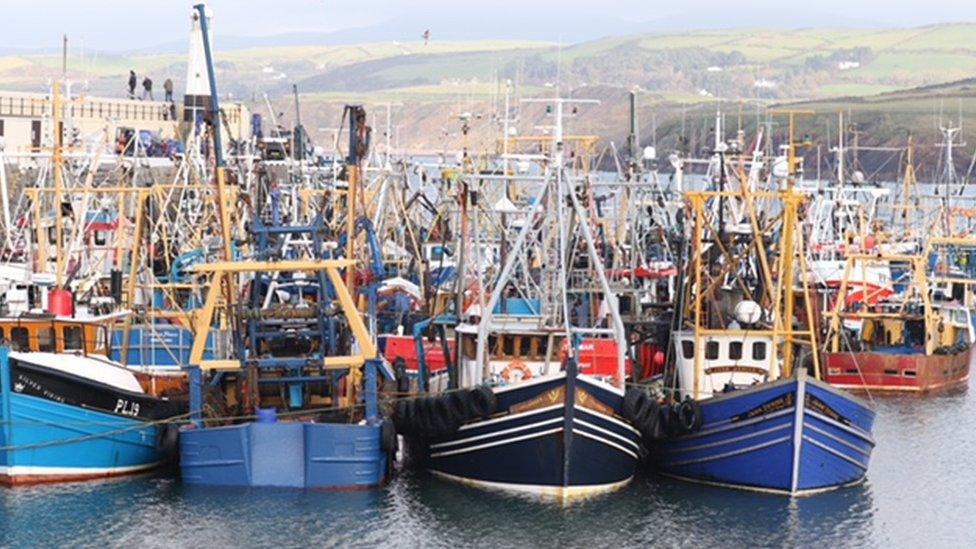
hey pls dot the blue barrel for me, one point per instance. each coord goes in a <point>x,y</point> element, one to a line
<point>267,415</point>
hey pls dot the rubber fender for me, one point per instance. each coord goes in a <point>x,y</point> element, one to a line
<point>459,403</point>
<point>649,423</point>
<point>690,416</point>
<point>424,416</point>
<point>404,417</point>
<point>400,374</point>
<point>443,420</point>
<point>634,401</point>
<point>168,440</point>
<point>668,418</point>
<point>388,437</point>
<point>483,401</point>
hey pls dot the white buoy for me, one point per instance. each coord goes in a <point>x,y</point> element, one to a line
<point>748,312</point>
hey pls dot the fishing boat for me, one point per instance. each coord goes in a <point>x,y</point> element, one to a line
<point>917,341</point>
<point>534,406</point>
<point>742,358</point>
<point>293,403</point>
<point>68,412</point>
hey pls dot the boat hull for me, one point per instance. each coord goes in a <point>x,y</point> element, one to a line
<point>46,441</point>
<point>559,437</point>
<point>284,454</point>
<point>899,373</point>
<point>56,427</point>
<point>792,437</point>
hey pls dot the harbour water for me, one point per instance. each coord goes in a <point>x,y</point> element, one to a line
<point>920,492</point>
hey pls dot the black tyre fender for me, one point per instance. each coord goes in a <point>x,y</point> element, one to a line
<point>388,437</point>
<point>424,414</point>
<point>459,406</point>
<point>442,419</point>
<point>405,417</point>
<point>689,416</point>
<point>634,401</point>
<point>649,421</point>
<point>483,401</point>
<point>168,439</point>
<point>400,414</point>
<point>669,421</point>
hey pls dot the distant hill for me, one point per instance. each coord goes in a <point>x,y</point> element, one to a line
<point>892,81</point>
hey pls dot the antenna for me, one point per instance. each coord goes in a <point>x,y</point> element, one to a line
<point>64,58</point>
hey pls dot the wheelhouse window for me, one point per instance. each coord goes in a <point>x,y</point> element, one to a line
<point>735,350</point>
<point>525,347</point>
<point>688,349</point>
<point>759,350</point>
<point>45,340</point>
<point>711,350</point>
<point>72,338</point>
<point>101,339</point>
<point>20,338</point>
<point>508,346</point>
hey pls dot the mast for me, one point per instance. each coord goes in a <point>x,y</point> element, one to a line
<point>57,161</point>
<point>223,207</point>
<point>840,148</point>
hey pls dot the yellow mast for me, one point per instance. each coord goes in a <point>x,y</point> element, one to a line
<point>57,162</point>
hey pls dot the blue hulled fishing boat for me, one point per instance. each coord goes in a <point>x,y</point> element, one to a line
<point>794,436</point>
<point>69,413</point>
<point>746,356</point>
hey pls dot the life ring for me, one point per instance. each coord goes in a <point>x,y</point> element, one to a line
<point>516,365</point>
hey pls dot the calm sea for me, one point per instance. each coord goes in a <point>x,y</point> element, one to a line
<point>921,492</point>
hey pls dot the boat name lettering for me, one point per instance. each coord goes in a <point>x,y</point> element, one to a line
<point>774,405</point>
<point>819,406</point>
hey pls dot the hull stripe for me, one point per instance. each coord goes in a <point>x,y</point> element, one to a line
<point>608,418</point>
<point>606,432</point>
<point>41,471</point>
<point>846,428</point>
<point>764,490</point>
<point>508,417</point>
<point>605,441</point>
<point>495,433</point>
<point>728,440</point>
<point>538,489</point>
<point>496,443</point>
<point>732,453</point>
<point>837,439</point>
<point>727,425</point>
<point>841,455</point>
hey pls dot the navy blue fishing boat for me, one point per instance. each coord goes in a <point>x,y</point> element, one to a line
<point>560,435</point>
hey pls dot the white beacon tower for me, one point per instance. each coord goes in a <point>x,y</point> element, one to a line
<point>197,95</point>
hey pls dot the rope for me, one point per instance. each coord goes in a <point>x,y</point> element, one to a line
<point>93,436</point>
<point>860,374</point>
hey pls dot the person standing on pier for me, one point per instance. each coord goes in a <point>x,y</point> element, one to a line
<point>132,84</point>
<point>168,88</point>
<point>147,88</point>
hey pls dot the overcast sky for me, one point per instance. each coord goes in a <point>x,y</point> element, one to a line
<point>121,25</point>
